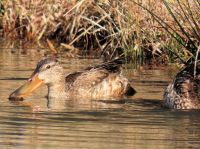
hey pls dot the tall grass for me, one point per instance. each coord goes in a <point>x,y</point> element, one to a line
<point>142,30</point>
<point>181,23</point>
<point>1,8</point>
<point>95,28</point>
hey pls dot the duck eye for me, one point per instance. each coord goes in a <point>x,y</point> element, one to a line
<point>48,67</point>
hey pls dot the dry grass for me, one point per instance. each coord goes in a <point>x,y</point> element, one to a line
<point>170,26</point>
<point>96,28</point>
<point>169,29</point>
<point>144,28</point>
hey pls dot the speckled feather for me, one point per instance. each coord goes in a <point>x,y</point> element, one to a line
<point>184,92</point>
<point>103,80</point>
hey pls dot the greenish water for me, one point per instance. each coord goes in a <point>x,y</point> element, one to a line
<point>138,122</point>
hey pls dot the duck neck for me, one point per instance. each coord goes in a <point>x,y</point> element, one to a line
<point>57,91</point>
<point>57,95</point>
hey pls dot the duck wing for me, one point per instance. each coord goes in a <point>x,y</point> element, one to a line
<point>85,79</point>
<point>111,66</point>
<point>93,75</point>
<point>100,80</point>
<point>187,86</point>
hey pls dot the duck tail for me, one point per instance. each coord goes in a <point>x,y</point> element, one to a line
<point>130,91</point>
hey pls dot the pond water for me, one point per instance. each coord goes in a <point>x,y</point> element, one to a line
<point>138,122</point>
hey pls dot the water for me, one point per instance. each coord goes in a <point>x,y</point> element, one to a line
<point>139,122</point>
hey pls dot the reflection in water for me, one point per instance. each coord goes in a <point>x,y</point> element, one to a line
<point>138,122</point>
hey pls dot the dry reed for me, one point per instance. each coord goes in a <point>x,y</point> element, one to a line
<point>107,27</point>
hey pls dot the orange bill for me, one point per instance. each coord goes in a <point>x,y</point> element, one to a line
<point>32,84</point>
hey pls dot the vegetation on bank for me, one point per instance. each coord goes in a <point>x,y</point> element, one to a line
<point>143,30</point>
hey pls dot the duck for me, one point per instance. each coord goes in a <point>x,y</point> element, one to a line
<point>184,91</point>
<point>103,81</point>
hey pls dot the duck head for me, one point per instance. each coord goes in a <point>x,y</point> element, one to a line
<point>48,71</point>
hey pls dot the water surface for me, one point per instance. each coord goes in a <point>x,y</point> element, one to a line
<point>138,122</point>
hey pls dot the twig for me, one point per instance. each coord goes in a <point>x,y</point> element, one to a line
<point>89,28</point>
<point>196,59</point>
<point>93,22</point>
<point>77,5</point>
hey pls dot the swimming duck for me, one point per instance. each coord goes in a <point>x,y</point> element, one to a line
<point>100,81</point>
<point>184,92</point>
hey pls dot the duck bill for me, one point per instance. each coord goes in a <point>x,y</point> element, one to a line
<point>32,84</point>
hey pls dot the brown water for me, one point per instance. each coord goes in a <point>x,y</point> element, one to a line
<point>139,122</point>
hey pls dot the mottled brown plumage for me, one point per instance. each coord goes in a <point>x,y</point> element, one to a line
<point>184,92</point>
<point>100,81</point>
